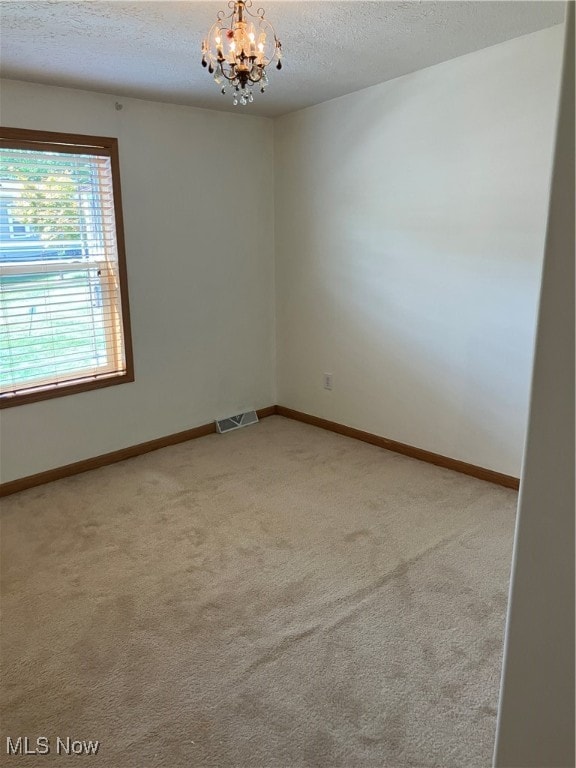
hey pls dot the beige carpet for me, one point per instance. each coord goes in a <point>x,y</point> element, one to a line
<point>277,597</point>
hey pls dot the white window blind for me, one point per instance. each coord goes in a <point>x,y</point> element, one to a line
<point>63,297</point>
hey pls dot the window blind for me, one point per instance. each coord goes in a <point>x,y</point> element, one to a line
<point>63,298</point>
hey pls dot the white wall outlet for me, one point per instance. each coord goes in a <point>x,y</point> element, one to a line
<point>327,381</point>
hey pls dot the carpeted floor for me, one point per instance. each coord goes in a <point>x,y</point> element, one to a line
<point>277,597</point>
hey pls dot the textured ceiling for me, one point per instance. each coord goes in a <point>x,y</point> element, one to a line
<point>152,49</point>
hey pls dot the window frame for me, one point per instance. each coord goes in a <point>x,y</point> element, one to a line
<point>72,143</point>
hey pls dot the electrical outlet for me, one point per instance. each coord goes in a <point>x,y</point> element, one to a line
<point>328,381</point>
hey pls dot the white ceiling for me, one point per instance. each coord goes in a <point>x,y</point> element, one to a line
<point>151,49</point>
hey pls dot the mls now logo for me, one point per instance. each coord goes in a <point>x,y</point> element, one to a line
<point>43,746</point>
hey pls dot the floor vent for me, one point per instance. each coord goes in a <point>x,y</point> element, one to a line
<point>235,422</point>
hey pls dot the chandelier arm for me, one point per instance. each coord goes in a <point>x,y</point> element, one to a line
<point>231,77</point>
<point>258,79</point>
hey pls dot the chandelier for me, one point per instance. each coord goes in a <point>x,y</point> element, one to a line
<point>238,49</point>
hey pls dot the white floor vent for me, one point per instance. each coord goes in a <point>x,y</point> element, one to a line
<point>235,422</point>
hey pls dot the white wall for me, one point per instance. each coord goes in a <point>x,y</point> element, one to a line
<point>410,224</point>
<point>536,716</point>
<point>200,271</point>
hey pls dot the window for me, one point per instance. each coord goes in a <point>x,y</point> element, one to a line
<point>64,313</point>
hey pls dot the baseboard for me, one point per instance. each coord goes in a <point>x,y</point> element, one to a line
<point>407,450</point>
<point>23,483</point>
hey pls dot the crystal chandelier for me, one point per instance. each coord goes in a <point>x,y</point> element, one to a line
<point>238,49</point>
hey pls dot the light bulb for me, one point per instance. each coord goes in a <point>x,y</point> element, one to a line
<point>261,47</point>
<point>251,37</point>
<point>218,40</point>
